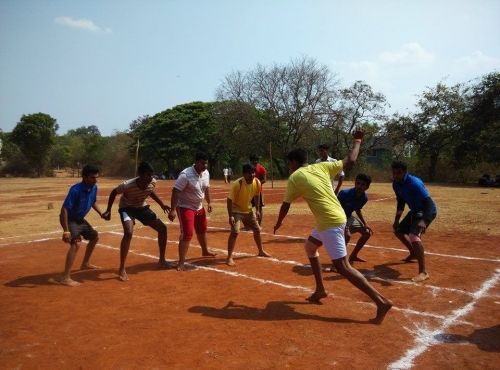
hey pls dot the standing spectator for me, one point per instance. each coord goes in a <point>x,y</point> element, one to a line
<point>229,174</point>
<point>325,157</point>
<point>190,189</point>
<point>411,190</point>
<point>312,183</point>
<point>81,197</point>
<point>133,206</point>
<point>239,209</point>
<point>261,175</point>
<point>225,172</point>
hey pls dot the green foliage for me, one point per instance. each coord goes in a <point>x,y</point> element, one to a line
<point>35,135</point>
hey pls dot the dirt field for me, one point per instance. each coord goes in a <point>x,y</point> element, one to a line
<point>253,315</point>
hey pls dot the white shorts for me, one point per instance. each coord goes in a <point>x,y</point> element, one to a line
<point>333,240</point>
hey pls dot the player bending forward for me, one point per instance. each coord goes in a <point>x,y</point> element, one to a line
<point>312,182</point>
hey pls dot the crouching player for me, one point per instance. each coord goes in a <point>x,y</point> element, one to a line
<point>81,197</point>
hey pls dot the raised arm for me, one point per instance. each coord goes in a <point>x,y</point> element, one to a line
<point>351,158</point>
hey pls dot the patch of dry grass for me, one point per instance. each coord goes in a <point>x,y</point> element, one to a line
<point>31,206</point>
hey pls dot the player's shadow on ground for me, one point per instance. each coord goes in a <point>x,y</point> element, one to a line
<point>80,276</point>
<point>33,281</point>
<point>486,339</point>
<point>274,311</point>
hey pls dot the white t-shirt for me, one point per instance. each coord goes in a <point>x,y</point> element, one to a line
<point>192,186</point>
<point>340,175</point>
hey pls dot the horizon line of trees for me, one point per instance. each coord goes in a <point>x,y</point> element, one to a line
<point>453,135</point>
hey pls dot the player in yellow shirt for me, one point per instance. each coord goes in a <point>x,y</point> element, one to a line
<point>239,209</point>
<point>313,184</point>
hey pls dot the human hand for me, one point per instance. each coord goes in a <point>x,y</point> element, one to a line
<point>358,133</point>
<point>171,215</point>
<point>421,226</point>
<point>66,237</point>
<point>106,215</point>
<point>231,221</point>
<point>209,208</point>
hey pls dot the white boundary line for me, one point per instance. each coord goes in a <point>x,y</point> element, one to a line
<point>263,281</point>
<point>427,338</point>
<point>283,285</point>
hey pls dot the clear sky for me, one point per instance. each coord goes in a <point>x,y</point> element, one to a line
<point>106,62</point>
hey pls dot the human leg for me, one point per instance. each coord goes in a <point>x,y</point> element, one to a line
<point>86,265</point>
<point>160,227</point>
<point>360,282</point>
<point>70,258</point>
<point>402,234</point>
<point>128,231</point>
<point>311,248</point>
<point>365,235</point>
<point>250,221</point>
<point>92,236</point>
<point>201,225</point>
<point>420,255</point>
<point>231,242</point>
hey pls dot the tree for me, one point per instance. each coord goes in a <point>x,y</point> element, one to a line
<point>171,137</point>
<point>479,140</point>
<point>35,134</point>
<point>293,99</point>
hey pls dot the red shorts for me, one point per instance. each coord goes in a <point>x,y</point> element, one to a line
<point>191,220</point>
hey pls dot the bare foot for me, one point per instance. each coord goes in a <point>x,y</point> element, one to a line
<point>264,254</point>
<point>166,265</point>
<point>68,282</point>
<point>420,277</point>
<point>356,259</point>
<point>123,275</point>
<point>330,269</point>
<point>88,266</point>
<point>181,267</point>
<point>208,254</point>
<point>409,259</point>
<point>316,297</point>
<point>230,262</point>
<point>381,312</point>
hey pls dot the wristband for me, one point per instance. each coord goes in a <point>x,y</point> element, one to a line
<point>67,233</point>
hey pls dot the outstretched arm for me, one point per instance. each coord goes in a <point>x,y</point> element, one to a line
<point>107,214</point>
<point>157,199</point>
<point>283,212</point>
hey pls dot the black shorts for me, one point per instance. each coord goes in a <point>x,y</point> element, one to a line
<point>143,214</point>
<point>79,228</point>
<point>409,225</point>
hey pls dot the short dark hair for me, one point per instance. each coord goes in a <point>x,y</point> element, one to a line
<point>299,155</point>
<point>201,156</point>
<point>89,169</point>
<point>144,167</point>
<point>364,177</point>
<point>253,157</point>
<point>399,165</point>
<point>323,146</point>
<point>248,168</point>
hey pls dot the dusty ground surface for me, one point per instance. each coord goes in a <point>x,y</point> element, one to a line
<point>252,315</point>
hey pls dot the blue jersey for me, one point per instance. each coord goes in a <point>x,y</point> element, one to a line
<point>413,192</point>
<point>79,200</point>
<point>350,202</point>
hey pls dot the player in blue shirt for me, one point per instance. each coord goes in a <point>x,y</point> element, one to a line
<point>353,200</point>
<point>411,190</point>
<point>81,197</point>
